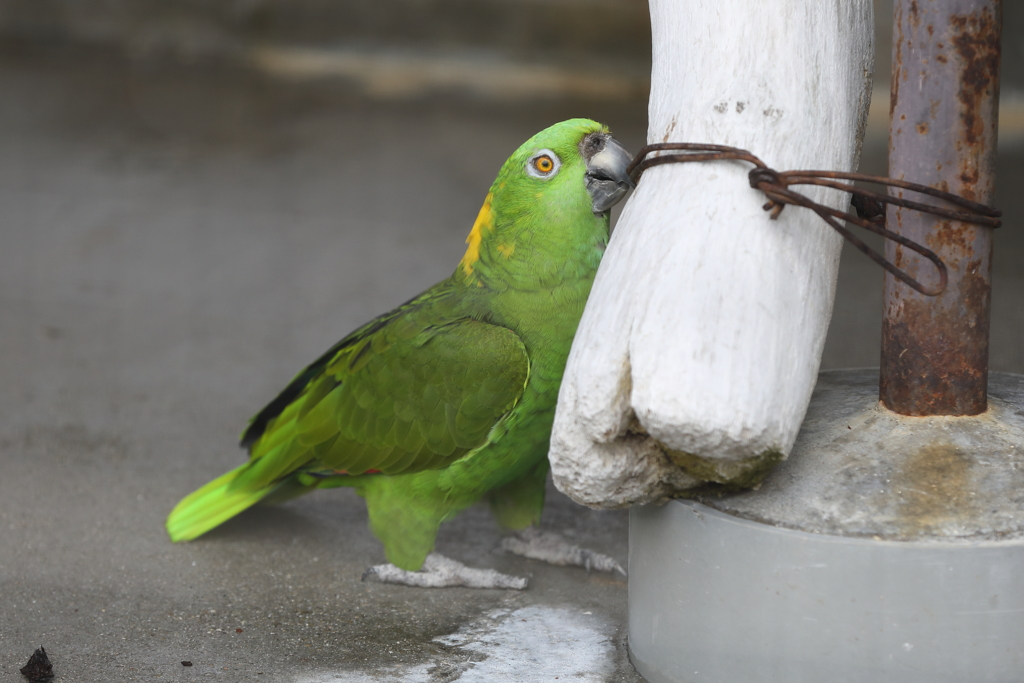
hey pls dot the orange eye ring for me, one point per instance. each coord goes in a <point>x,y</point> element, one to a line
<point>544,164</point>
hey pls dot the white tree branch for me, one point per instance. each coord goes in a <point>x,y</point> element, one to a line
<point>703,334</point>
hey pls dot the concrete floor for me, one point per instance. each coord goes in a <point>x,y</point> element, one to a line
<point>175,245</point>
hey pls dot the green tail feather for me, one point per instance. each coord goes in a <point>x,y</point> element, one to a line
<point>211,505</point>
<point>222,499</point>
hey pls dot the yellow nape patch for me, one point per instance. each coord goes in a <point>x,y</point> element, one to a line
<point>484,221</point>
<point>507,250</point>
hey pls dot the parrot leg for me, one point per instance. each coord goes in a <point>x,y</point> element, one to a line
<point>553,549</point>
<point>441,572</point>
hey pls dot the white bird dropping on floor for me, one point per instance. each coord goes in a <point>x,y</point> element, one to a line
<point>700,344</point>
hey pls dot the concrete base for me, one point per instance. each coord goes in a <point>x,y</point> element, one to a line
<point>903,559</point>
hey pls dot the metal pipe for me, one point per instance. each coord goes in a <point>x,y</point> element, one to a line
<point>942,133</point>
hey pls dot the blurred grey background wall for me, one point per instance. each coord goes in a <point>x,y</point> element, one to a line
<point>583,33</point>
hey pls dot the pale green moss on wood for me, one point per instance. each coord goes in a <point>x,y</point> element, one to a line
<point>744,473</point>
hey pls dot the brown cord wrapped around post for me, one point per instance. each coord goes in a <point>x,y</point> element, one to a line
<point>870,215</point>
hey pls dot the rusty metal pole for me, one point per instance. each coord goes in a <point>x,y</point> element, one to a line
<point>942,133</point>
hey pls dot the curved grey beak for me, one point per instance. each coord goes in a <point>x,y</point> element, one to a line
<point>606,178</point>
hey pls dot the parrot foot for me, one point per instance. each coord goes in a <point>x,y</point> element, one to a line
<point>551,548</point>
<point>441,572</point>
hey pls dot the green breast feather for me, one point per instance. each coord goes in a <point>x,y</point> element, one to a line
<point>447,399</point>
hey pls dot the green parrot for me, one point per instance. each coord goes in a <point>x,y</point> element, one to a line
<point>449,398</point>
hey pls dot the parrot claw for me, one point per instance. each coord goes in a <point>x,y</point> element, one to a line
<point>441,572</point>
<point>551,548</point>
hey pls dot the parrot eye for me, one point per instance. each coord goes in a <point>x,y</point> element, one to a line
<point>543,164</point>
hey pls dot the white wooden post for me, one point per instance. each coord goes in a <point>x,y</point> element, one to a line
<point>700,344</point>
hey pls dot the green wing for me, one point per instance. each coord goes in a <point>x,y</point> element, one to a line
<point>403,394</point>
<point>409,391</point>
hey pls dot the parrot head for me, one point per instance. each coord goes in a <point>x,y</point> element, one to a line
<point>569,176</point>
<point>570,156</point>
